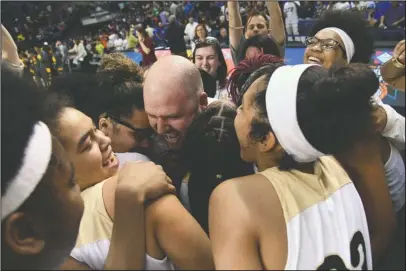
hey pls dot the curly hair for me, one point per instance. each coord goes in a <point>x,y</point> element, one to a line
<point>239,75</point>
<point>117,62</point>
<point>355,26</point>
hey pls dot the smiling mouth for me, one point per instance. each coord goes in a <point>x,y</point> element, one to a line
<point>110,160</point>
<point>314,60</point>
<point>171,137</point>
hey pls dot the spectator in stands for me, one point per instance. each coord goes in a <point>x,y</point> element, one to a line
<point>201,33</point>
<point>342,5</point>
<point>306,10</point>
<point>159,35</point>
<point>150,30</point>
<point>260,45</point>
<point>190,29</point>
<point>394,16</point>
<point>146,47</point>
<point>209,57</point>
<point>174,35</point>
<point>290,9</point>
<point>40,199</point>
<point>131,39</point>
<point>223,38</point>
<point>99,48</point>
<point>319,9</point>
<point>393,71</point>
<point>257,24</point>
<point>79,51</point>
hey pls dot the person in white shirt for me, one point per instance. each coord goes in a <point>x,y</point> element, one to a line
<point>291,20</point>
<point>190,30</point>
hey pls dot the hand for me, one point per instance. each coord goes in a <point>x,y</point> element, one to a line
<point>399,52</point>
<point>144,180</point>
<point>141,39</point>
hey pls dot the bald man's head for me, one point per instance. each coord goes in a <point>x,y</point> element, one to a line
<point>173,94</point>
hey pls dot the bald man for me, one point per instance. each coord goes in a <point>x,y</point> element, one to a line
<point>173,94</point>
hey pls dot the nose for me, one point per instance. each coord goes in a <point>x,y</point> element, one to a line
<point>316,47</point>
<point>160,126</point>
<point>104,141</point>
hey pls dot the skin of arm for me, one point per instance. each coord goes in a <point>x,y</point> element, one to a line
<point>236,28</point>
<point>179,235</point>
<point>234,238</point>
<point>364,165</point>
<point>276,25</point>
<point>244,230</point>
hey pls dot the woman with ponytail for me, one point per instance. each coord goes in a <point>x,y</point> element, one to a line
<point>302,210</point>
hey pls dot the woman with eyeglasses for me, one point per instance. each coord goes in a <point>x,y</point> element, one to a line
<point>209,57</point>
<point>342,37</point>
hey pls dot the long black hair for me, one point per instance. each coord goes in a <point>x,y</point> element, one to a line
<point>211,153</point>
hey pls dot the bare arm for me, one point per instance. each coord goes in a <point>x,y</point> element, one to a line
<point>236,29</point>
<point>276,25</point>
<point>127,245</point>
<point>234,239</point>
<point>179,235</point>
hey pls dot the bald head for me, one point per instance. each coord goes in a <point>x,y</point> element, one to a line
<point>173,94</point>
<point>173,74</point>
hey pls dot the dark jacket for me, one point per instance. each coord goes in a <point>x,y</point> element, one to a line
<point>176,41</point>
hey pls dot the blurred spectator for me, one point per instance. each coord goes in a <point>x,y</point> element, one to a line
<point>79,51</point>
<point>306,10</point>
<point>146,47</point>
<point>99,48</point>
<point>223,38</point>
<point>190,29</point>
<point>201,33</point>
<point>150,31</point>
<point>174,35</point>
<point>394,16</point>
<point>159,35</point>
<point>319,8</point>
<point>173,8</point>
<point>291,20</point>
<point>164,17</point>
<point>132,41</point>
<point>342,5</point>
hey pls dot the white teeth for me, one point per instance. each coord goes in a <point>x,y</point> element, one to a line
<point>314,59</point>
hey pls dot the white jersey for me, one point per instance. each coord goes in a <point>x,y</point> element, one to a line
<point>325,218</point>
<point>96,227</point>
<point>290,10</point>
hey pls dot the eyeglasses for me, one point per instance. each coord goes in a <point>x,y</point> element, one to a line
<point>211,41</point>
<point>140,133</point>
<point>327,44</point>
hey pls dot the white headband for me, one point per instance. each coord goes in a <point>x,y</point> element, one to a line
<point>348,43</point>
<point>281,109</point>
<point>35,162</point>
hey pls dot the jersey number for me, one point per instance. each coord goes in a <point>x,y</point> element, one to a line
<point>358,256</point>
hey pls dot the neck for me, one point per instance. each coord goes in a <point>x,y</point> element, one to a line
<point>266,161</point>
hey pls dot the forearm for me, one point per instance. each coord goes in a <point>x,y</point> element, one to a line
<point>382,19</point>
<point>235,23</point>
<point>145,48</point>
<point>276,22</point>
<point>127,245</point>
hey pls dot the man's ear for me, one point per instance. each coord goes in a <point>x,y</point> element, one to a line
<point>21,234</point>
<point>203,102</point>
<point>268,143</point>
<point>106,126</point>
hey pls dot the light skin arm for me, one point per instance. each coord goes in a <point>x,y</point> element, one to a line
<point>233,236</point>
<point>236,28</point>
<point>179,235</point>
<point>276,25</point>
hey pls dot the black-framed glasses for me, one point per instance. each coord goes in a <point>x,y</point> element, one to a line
<point>140,133</point>
<point>325,44</point>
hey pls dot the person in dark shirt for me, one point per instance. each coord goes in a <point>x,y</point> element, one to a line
<point>146,47</point>
<point>223,38</point>
<point>307,10</point>
<point>175,38</point>
<point>395,15</point>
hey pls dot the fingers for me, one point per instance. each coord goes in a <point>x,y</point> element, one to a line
<point>169,180</point>
<point>398,46</point>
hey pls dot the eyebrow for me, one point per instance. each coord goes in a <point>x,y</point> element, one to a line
<point>82,140</point>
